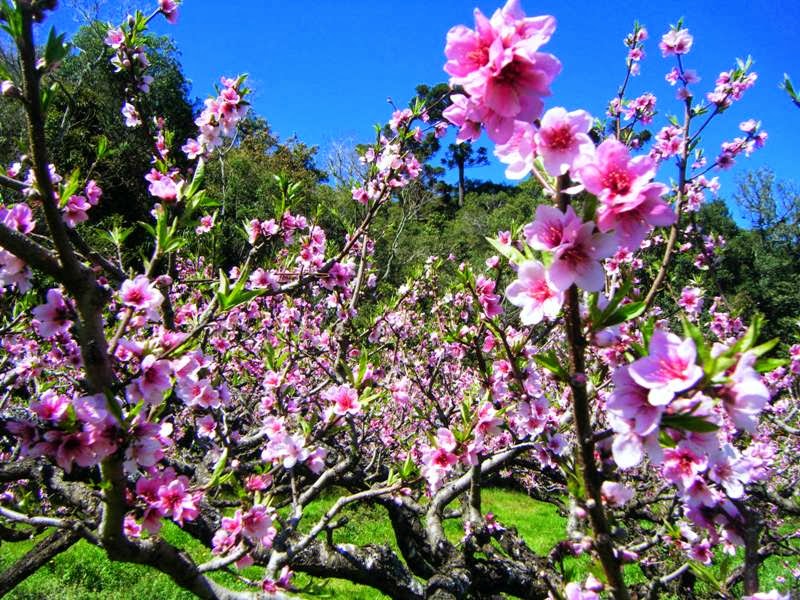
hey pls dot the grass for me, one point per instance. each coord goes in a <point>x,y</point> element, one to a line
<point>84,573</point>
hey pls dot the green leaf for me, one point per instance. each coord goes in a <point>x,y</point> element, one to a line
<point>549,361</point>
<point>362,367</point>
<point>688,423</point>
<point>12,15</point>
<point>765,365</point>
<point>55,50</point>
<point>507,250</point>
<point>750,337</point>
<point>102,147</point>
<point>762,349</point>
<point>229,298</point>
<point>70,187</point>
<point>624,313</point>
<point>691,330</point>
<point>197,180</point>
<point>218,469</point>
<point>135,411</point>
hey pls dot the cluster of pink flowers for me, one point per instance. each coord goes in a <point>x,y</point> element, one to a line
<point>164,186</point>
<point>76,207</point>
<point>289,449</point>
<point>669,141</point>
<point>219,118</point>
<point>754,139</point>
<point>129,59</point>
<point>499,66</point>
<point>53,317</point>
<point>165,494</point>
<point>641,109</point>
<point>634,42</point>
<point>656,393</point>
<point>489,301</point>
<point>83,440</point>
<point>731,86</point>
<point>252,527</point>
<point>170,10</point>
<point>630,203</point>
<point>391,169</point>
<point>560,140</point>
<point>677,41</point>
<point>14,272</point>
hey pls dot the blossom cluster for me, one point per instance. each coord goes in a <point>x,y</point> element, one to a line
<point>219,119</point>
<point>499,66</point>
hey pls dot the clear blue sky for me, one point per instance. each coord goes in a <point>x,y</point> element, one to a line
<point>322,70</point>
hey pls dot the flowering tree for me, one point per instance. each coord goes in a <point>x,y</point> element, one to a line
<point>228,403</point>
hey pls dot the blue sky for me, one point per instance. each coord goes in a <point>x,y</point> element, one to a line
<point>323,69</point>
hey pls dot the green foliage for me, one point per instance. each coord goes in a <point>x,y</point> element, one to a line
<point>422,224</point>
<point>259,178</point>
<point>758,271</point>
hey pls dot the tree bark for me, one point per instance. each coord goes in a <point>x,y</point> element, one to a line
<point>38,556</point>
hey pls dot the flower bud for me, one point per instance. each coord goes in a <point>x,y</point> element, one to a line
<point>9,90</point>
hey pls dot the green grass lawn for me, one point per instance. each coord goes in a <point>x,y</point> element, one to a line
<point>84,573</point>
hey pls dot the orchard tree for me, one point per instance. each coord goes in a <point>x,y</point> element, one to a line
<point>230,401</point>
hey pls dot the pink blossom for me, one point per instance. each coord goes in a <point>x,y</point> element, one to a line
<point>676,41</point>
<point>518,151</point>
<point>562,137</point>
<point>629,402</point>
<point>535,293</point>
<point>140,294</point>
<point>729,470</point>
<point>145,447</point>
<point>93,192</point>
<point>50,406</point>
<point>438,461</point>
<point>131,528</point>
<point>192,149</point>
<point>131,115</point>
<point>72,448</point>
<point>18,217</point>
<point>170,10</point>
<point>53,316</point>
<point>635,421</point>
<point>489,301</point>
<point>499,66</point>
<point>702,552</point>
<point>257,523</point>
<point>551,227</point>
<point>75,211</point>
<point>629,203</point>
<point>163,185</point>
<point>670,367</point>
<point>154,380</point>
<point>615,494</point>
<point>682,466</point>
<point>691,300</point>
<point>206,426</point>
<point>175,500</point>
<point>198,393</point>
<point>115,38</point>
<point>576,260</point>
<point>745,397</point>
<point>345,400</point>
<point>205,225</point>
